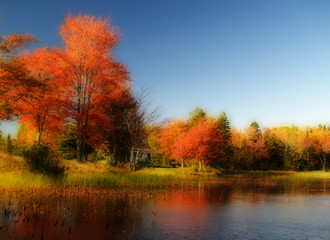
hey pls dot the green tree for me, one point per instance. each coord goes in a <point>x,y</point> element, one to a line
<point>276,151</point>
<point>10,146</point>
<point>68,144</point>
<point>195,116</point>
<point>255,125</point>
<point>223,126</point>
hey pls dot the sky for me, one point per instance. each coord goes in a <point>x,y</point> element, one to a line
<point>264,61</point>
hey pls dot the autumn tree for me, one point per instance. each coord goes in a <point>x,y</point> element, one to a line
<point>203,143</point>
<point>238,143</point>
<point>250,150</point>
<point>255,146</point>
<point>26,134</point>
<point>15,84</point>
<point>93,75</point>
<point>168,140</point>
<point>292,139</point>
<point>44,109</point>
<point>317,143</point>
<point>325,149</point>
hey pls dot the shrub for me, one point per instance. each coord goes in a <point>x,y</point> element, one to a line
<point>95,156</point>
<point>207,169</point>
<point>42,158</point>
<point>10,146</point>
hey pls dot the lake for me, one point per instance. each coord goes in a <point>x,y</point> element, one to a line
<point>224,208</point>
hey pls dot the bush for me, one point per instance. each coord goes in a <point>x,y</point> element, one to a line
<point>41,158</point>
<point>207,169</point>
<point>95,156</point>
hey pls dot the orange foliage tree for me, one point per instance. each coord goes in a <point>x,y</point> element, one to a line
<point>43,110</point>
<point>250,150</point>
<point>203,142</point>
<point>317,142</point>
<point>15,84</point>
<point>170,136</point>
<point>93,76</point>
<point>256,149</point>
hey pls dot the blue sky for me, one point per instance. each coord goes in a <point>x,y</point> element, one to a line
<point>267,61</point>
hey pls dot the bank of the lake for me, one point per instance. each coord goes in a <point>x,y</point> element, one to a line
<point>15,174</point>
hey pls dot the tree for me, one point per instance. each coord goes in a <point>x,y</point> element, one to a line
<point>250,150</point>
<point>238,142</point>
<point>117,140</point>
<point>255,125</point>
<point>26,134</point>
<point>275,149</point>
<point>317,142</point>
<point>292,139</point>
<point>167,139</point>
<point>131,123</point>
<point>9,144</point>
<point>203,142</point>
<point>195,116</point>
<point>15,84</point>
<point>255,146</point>
<point>93,76</point>
<point>325,147</point>
<point>44,108</point>
<point>10,45</point>
<point>223,126</point>
<point>67,144</point>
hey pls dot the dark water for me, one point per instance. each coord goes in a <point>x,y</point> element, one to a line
<point>222,209</point>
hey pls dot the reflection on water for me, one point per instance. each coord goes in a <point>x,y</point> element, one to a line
<point>223,209</point>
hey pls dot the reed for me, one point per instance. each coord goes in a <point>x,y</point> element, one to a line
<point>25,179</point>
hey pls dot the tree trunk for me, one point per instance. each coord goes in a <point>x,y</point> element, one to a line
<point>325,162</point>
<point>79,154</point>
<point>182,163</point>
<point>81,149</point>
<point>200,166</point>
<point>39,137</point>
<point>131,162</point>
<point>85,155</point>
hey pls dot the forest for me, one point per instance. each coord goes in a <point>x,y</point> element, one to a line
<point>77,102</point>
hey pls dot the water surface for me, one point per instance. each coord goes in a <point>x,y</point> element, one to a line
<point>245,208</point>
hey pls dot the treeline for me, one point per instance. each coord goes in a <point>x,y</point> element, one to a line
<point>76,99</point>
<point>210,141</point>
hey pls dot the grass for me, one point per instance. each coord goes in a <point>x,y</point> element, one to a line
<point>278,174</point>
<point>15,173</point>
<point>11,179</point>
<point>10,163</point>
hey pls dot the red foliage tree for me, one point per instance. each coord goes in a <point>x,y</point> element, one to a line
<point>203,142</point>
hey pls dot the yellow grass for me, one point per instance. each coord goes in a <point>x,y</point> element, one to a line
<point>10,163</point>
<point>15,173</point>
<point>278,174</point>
